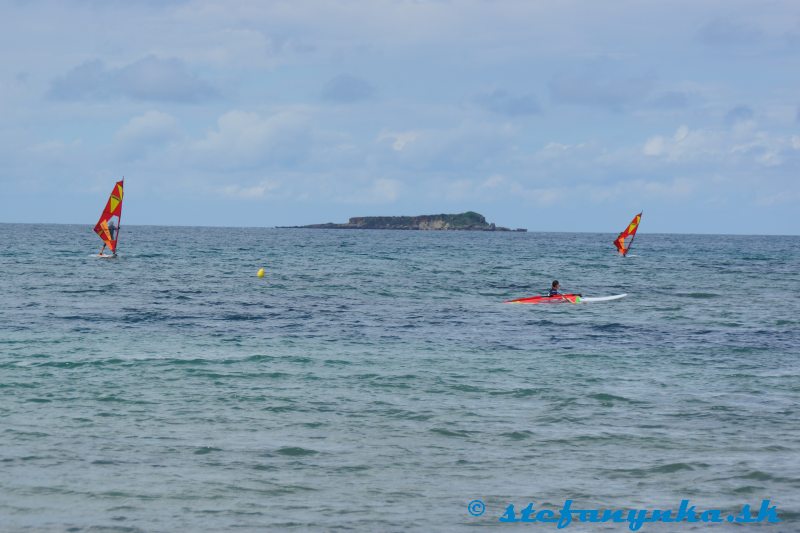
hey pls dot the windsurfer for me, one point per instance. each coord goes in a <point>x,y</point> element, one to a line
<point>112,231</point>
<point>107,228</point>
<point>630,231</point>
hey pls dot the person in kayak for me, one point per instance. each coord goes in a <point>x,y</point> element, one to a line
<point>555,289</point>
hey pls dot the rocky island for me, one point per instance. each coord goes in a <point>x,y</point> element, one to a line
<point>469,221</point>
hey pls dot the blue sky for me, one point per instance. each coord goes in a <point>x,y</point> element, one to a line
<point>552,116</point>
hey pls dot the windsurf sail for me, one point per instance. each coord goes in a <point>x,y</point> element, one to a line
<point>107,228</point>
<point>624,240</point>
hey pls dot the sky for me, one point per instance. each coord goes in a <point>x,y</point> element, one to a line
<point>552,116</point>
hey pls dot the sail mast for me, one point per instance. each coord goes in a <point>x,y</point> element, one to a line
<point>119,215</point>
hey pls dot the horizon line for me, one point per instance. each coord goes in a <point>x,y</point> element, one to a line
<point>88,224</point>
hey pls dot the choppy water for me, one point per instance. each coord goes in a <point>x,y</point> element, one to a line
<point>374,381</point>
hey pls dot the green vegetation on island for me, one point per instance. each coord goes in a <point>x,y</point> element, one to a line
<point>469,221</point>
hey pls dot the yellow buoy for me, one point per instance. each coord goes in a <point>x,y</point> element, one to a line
<point>260,273</point>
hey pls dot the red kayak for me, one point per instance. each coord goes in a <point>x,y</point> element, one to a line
<point>561,298</point>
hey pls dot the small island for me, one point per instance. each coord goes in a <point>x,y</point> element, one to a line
<point>469,221</point>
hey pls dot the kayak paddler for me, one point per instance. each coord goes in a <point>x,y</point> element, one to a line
<point>555,289</point>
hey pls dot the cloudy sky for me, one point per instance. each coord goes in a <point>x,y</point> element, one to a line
<point>554,116</point>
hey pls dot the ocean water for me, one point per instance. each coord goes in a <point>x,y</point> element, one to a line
<point>375,381</point>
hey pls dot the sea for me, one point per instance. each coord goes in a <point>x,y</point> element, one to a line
<point>375,380</point>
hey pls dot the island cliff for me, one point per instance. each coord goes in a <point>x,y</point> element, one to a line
<point>469,221</point>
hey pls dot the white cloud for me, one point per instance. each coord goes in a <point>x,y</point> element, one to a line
<point>375,191</point>
<point>455,148</point>
<point>770,158</point>
<point>146,134</point>
<point>384,190</point>
<point>502,103</point>
<point>743,144</point>
<point>553,150</point>
<point>681,134</point>
<point>399,139</point>
<point>779,198</point>
<point>658,145</point>
<point>148,79</point>
<point>543,196</point>
<point>495,188</point>
<point>675,188</point>
<point>246,139</point>
<point>153,126</point>
<point>55,148</point>
<point>494,181</point>
<point>347,89</point>
<point>250,192</point>
<point>227,48</point>
<point>596,87</point>
<point>557,151</point>
<point>654,146</point>
<point>648,189</point>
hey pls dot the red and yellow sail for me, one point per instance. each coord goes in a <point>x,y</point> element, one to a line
<point>625,239</point>
<point>107,228</point>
